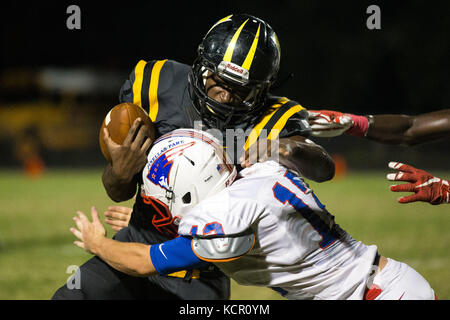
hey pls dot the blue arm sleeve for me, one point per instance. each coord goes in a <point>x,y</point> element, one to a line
<point>174,255</point>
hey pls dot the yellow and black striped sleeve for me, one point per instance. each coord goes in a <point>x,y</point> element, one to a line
<point>142,86</point>
<point>286,118</point>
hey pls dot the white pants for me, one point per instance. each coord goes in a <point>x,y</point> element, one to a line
<point>398,281</point>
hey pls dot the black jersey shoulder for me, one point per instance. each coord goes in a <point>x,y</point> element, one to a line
<point>160,88</point>
<point>283,118</point>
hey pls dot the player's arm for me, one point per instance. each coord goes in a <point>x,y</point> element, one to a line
<point>309,159</point>
<point>409,130</point>
<point>387,128</point>
<point>136,259</point>
<point>296,153</point>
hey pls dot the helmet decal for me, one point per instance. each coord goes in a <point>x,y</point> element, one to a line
<point>159,171</point>
<point>234,69</point>
<point>229,53</point>
<point>251,54</point>
<point>227,18</point>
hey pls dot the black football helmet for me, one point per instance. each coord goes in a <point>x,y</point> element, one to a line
<point>244,53</point>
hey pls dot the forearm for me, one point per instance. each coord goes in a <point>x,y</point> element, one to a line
<point>141,260</point>
<point>127,257</point>
<point>307,158</point>
<point>390,129</point>
<point>385,128</point>
<point>409,130</point>
<point>118,188</point>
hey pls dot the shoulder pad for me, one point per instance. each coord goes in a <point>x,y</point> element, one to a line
<point>284,118</point>
<point>296,125</point>
<point>222,249</point>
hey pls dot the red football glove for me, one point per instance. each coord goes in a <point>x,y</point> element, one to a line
<point>426,187</point>
<point>327,123</point>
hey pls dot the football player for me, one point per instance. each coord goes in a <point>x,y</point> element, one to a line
<point>226,88</point>
<point>394,129</point>
<point>265,227</point>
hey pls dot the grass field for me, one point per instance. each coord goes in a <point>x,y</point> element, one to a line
<point>36,246</point>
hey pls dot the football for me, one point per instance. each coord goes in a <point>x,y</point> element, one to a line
<point>119,121</point>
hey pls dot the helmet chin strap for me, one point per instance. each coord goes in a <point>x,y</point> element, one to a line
<point>169,192</point>
<point>215,122</point>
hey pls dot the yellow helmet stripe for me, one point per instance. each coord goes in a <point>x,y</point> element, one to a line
<point>218,22</point>
<point>229,53</point>
<point>251,53</point>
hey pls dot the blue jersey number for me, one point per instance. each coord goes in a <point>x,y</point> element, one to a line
<point>284,195</point>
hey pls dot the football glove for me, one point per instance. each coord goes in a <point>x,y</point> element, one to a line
<point>327,123</point>
<point>426,187</point>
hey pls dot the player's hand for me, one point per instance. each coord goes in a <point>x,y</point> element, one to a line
<point>89,234</point>
<point>425,186</point>
<point>327,123</point>
<point>118,217</point>
<point>130,157</point>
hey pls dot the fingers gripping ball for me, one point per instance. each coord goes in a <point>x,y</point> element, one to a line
<point>119,120</point>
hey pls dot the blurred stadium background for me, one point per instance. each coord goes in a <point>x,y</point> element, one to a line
<point>56,85</point>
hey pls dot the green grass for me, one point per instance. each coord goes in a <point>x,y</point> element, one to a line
<point>36,246</point>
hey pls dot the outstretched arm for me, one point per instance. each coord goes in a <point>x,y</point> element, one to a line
<point>387,128</point>
<point>410,130</point>
<point>135,259</point>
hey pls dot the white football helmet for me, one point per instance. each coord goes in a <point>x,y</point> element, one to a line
<point>184,167</point>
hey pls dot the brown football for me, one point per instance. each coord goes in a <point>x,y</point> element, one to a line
<point>119,121</point>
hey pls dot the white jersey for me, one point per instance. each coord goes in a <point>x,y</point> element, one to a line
<point>299,251</point>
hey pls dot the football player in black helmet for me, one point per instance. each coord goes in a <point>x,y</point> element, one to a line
<point>226,88</point>
<point>240,54</point>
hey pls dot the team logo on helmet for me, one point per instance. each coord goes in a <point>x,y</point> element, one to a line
<point>159,171</point>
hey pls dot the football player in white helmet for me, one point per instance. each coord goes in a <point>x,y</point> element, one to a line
<point>267,228</point>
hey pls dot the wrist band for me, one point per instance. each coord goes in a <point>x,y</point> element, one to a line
<point>360,126</point>
<point>370,122</point>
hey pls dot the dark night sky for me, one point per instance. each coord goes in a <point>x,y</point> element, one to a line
<point>337,62</point>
